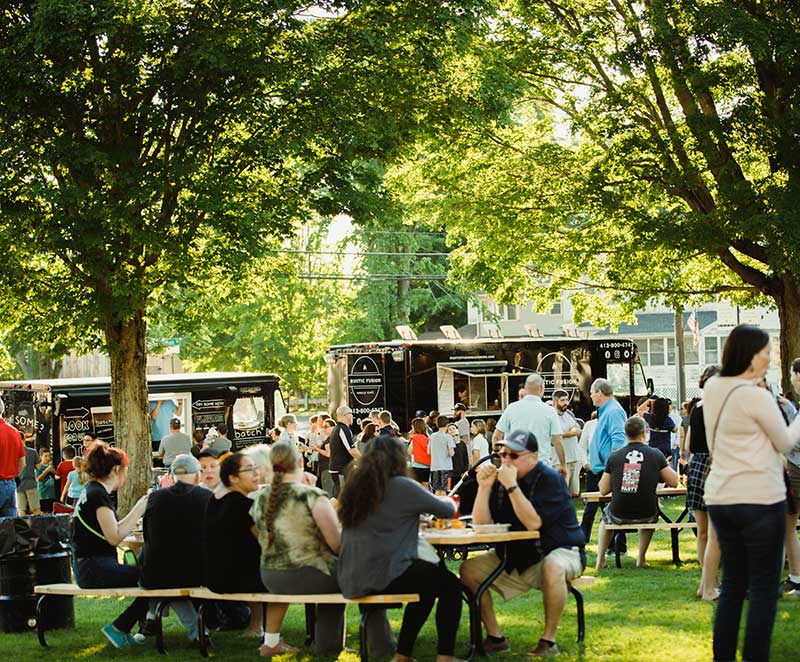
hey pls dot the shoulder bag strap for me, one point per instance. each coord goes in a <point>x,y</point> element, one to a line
<point>710,442</point>
<point>77,515</point>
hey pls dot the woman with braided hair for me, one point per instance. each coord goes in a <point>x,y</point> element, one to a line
<point>300,539</point>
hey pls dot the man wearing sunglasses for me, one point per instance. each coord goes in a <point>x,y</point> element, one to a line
<point>530,496</point>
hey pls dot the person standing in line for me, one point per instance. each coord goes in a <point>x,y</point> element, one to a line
<point>442,448</point>
<point>75,483</point>
<point>540,419</point>
<point>461,422</point>
<point>12,463</point>
<point>27,492</point>
<point>461,454</point>
<point>64,467</point>
<point>570,431</point>
<point>419,450</point>
<point>699,462</point>
<point>480,445</point>
<point>745,491</point>
<point>323,451</point>
<point>343,449</point>
<point>174,444</point>
<point>608,436</point>
<point>791,585</point>
<point>655,411</point>
<point>44,473</point>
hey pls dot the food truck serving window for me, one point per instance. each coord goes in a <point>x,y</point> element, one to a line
<point>480,385</point>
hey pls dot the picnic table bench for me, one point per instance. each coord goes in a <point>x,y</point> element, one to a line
<point>166,595</point>
<point>674,527</point>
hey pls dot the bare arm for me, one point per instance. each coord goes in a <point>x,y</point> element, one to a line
<point>154,413</point>
<point>327,521</point>
<point>605,484</point>
<point>497,436</point>
<point>558,444</point>
<point>480,509</point>
<point>21,465</point>
<point>669,476</point>
<point>115,531</point>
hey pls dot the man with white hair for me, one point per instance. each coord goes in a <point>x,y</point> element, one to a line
<point>533,415</point>
<point>12,462</point>
<point>609,435</point>
<point>173,534</point>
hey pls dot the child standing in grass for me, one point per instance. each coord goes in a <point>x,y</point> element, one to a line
<point>75,483</point>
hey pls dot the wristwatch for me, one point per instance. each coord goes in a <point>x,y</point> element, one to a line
<point>511,489</point>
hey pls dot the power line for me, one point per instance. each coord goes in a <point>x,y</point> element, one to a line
<point>358,253</point>
<point>421,277</point>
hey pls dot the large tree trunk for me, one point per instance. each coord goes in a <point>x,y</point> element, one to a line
<point>788,302</point>
<point>126,349</point>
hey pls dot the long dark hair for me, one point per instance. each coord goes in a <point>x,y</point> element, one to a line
<point>385,457</point>
<point>659,414</point>
<point>744,342</point>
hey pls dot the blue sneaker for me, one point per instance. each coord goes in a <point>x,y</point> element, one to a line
<point>118,639</point>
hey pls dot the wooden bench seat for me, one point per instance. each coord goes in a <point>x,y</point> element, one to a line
<point>672,527</point>
<point>370,604</point>
<point>163,596</point>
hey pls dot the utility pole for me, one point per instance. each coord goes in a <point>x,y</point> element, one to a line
<point>680,358</point>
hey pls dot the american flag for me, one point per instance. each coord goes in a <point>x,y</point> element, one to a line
<point>694,327</point>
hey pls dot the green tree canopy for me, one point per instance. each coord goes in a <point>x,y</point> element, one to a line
<point>652,153</point>
<point>138,139</point>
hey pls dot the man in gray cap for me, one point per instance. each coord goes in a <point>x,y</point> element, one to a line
<point>174,444</point>
<point>530,496</point>
<point>173,537</point>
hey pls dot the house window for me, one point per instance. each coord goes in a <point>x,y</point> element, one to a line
<point>711,355</point>
<point>691,353</point>
<point>671,360</point>
<point>511,313</point>
<point>656,351</point>
<point>556,309</point>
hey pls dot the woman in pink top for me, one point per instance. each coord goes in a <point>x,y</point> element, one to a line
<point>745,491</point>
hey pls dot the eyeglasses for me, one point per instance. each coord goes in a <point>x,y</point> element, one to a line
<point>511,454</point>
<point>245,470</point>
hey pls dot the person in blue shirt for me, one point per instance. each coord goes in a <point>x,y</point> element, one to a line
<point>609,435</point>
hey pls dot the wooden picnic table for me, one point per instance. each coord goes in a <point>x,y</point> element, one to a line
<point>468,540</point>
<point>596,497</point>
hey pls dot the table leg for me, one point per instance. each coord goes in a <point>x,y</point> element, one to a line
<point>476,631</point>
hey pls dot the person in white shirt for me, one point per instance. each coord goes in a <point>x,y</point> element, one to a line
<point>570,431</point>
<point>480,446</point>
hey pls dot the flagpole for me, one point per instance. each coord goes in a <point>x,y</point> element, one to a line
<point>680,358</point>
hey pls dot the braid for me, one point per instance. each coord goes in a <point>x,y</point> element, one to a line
<point>285,457</point>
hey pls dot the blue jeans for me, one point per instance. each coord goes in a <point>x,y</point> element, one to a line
<point>106,572</point>
<point>8,498</point>
<point>751,546</point>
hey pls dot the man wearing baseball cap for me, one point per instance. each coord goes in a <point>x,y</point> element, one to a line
<point>173,534</point>
<point>530,496</point>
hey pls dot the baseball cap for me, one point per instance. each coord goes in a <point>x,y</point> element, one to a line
<point>420,413</point>
<point>520,441</point>
<point>460,407</point>
<point>185,464</point>
<point>209,452</point>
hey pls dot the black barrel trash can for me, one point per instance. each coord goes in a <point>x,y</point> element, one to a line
<point>34,550</point>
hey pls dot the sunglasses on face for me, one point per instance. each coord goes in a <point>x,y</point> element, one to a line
<point>511,454</point>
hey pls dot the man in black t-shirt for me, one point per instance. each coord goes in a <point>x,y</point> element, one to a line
<point>343,449</point>
<point>173,534</point>
<point>632,475</point>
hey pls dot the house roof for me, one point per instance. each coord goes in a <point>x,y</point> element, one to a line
<point>654,324</point>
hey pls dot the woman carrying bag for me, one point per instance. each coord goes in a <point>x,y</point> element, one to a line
<point>745,491</point>
<point>96,532</point>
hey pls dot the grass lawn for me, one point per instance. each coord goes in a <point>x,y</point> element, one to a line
<point>631,616</point>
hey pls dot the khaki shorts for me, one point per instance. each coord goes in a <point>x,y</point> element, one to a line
<point>511,584</point>
<point>27,501</point>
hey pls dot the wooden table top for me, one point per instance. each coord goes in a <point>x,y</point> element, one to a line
<point>460,537</point>
<point>661,492</point>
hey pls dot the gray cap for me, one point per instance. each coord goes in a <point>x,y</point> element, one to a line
<point>184,465</point>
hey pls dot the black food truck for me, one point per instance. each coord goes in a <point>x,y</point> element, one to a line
<point>485,374</point>
<point>60,411</point>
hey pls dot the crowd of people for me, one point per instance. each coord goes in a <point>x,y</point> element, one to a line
<point>334,511</point>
